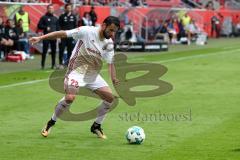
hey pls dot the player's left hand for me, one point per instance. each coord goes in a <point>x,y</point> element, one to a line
<point>115,81</point>
<point>34,40</point>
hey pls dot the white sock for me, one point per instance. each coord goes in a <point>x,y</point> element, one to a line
<point>104,107</point>
<point>60,108</point>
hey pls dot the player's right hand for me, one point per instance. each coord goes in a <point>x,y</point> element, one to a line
<point>34,40</point>
<point>115,81</point>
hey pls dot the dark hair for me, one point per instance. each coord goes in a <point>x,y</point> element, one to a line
<point>112,20</point>
<point>50,5</point>
<point>68,4</point>
<point>20,19</point>
<point>85,13</point>
<point>8,21</point>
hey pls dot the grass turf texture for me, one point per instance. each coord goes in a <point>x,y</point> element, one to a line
<point>205,80</point>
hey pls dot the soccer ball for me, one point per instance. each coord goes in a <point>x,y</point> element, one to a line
<point>135,135</point>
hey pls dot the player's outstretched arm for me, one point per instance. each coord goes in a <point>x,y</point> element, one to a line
<point>49,36</point>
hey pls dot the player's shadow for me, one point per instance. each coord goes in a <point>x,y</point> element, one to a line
<point>131,144</point>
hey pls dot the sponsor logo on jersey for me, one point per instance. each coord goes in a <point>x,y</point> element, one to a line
<point>94,51</point>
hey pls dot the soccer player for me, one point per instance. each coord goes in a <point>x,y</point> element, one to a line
<point>83,70</point>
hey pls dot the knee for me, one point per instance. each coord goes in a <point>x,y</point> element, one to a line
<point>109,99</point>
<point>70,98</point>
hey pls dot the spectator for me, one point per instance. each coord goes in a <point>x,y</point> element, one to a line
<point>24,16</point>
<point>151,30</point>
<point>173,30</point>
<point>21,14</point>
<point>67,21</point>
<point>182,32</point>
<point>128,33</point>
<point>227,26</point>
<point>163,27</point>
<point>2,31</point>
<point>86,20</point>
<point>185,19</point>
<point>237,27</point>
<point>23,40</point>
<point>215,25</point>
<point>48,23</point>
<point>93,16</point>
<point>162,32</point>
<point>192,31</point>
<point>11,35</point>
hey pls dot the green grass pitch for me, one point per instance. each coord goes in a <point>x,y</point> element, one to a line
<point>206,83</point>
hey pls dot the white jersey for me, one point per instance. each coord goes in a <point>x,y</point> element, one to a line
<point>89,51</point>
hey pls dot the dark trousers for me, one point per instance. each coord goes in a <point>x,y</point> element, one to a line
<point>69,43</point>
<point>45,49</point>
<point>216,30</point>
<point>1,51</point>
<point>8,49</point>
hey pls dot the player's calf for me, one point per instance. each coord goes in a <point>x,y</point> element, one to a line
<point>103,109</point>
<point>61,107</point>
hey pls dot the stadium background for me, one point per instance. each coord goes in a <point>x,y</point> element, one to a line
<point>152,11</point>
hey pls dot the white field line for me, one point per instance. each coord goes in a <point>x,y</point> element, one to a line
<point>163,61</point>
<point>198,56</point>
<point>22,83</point>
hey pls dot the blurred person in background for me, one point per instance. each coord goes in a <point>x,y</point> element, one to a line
<point>215,25</point>
<point>23,40</point>
<point>128,33</point>
<point>185,19</point>
<point>226,27</point>
<point>173,30</point>
<point>49,23</point>
<point>67,21</point>
<point>86,19</point>
<point>11,36</point>
<point>162,32</point>
<point>2,31</point>
<point>25,24</point>
<point>237,26</point>
<point>182,32</point>
<point>192,31</point>
<point>93,16</point>
<point>21,14</point>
